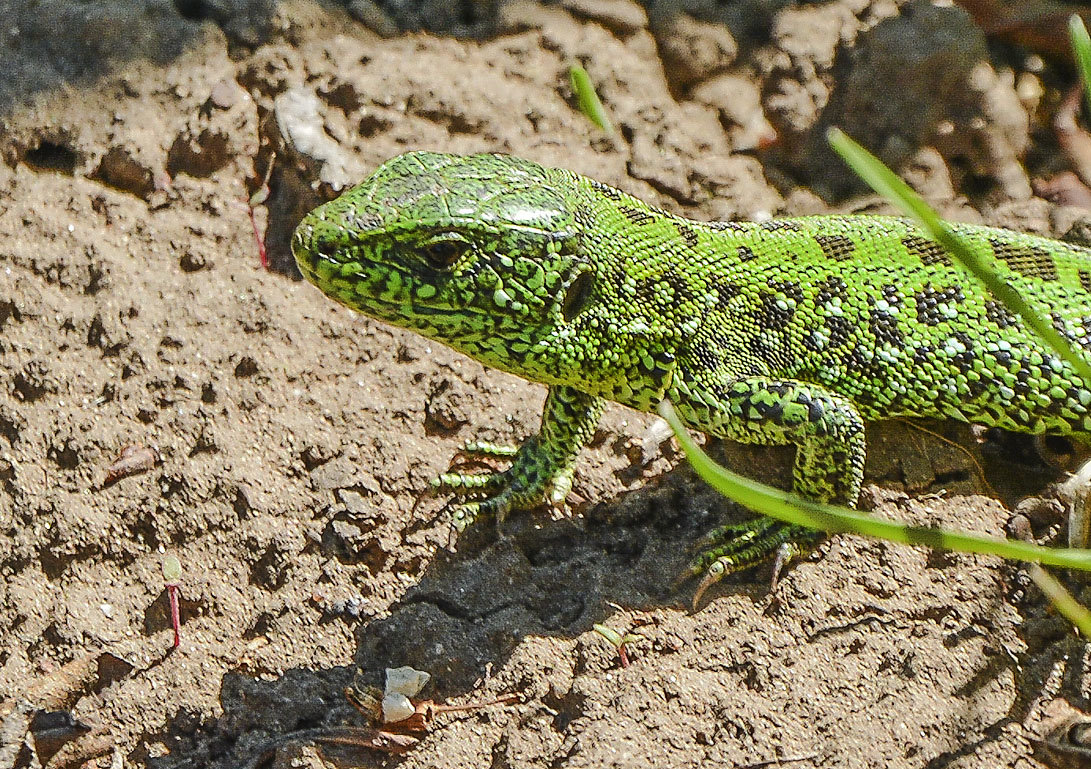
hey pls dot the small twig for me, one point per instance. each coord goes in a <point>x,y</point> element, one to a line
<point>507,699</point>
<point>779,761</point>
<point>957,447</point>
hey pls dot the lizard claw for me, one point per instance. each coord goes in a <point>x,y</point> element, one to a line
<point>466,513</point>
<point>717,571</point>
<point>785,553</point>
<point>464,516</point>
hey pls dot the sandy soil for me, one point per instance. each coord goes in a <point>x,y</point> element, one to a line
<point>295,441</point>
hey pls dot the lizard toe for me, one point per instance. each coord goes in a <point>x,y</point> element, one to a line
<point>487,449</point>
<point>466,483</point>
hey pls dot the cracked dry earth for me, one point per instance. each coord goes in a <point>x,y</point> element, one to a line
<point>293,442</point>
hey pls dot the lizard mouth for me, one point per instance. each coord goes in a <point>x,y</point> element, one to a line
<point>306,257</point>
<point>393,309</point>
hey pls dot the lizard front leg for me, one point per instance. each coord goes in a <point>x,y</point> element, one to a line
<point>541,469</point>
<point>828,434</point>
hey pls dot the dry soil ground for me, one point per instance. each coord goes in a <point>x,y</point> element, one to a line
<point>296,440</point>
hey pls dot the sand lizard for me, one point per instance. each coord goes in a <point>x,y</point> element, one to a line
<point>789,331</point>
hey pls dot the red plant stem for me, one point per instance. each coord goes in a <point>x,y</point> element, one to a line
<point>175,615</point>
<point>263,256</point>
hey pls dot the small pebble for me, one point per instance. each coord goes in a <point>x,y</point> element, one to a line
<point>405,680</point>
<point>397,707</point>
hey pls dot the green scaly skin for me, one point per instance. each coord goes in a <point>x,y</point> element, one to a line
<point>791,331</point>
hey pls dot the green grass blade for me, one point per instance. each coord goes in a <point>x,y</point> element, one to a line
<point>590,104</point>
<point>1062,600</point>
<point>1081,46</point>
<point>791,508</point>
<point>887,183</point>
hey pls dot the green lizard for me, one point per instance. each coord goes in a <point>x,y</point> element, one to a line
<point>790,331</point>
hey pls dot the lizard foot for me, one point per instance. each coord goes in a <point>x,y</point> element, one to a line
<point>468,483</point>
<point>534,477</point>
<point>733,548</point>
<point>473,453</point>
<point>541,469</point>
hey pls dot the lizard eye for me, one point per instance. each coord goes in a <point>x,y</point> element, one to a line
<point>443,253</point>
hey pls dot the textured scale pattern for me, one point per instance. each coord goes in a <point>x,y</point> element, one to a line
<point>787,331</point>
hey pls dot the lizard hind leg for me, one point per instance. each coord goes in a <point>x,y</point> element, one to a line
<point>828,434</point>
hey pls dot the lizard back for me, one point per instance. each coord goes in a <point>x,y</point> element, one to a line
<point>567,281</point>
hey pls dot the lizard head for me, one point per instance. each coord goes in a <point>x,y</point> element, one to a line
<point>479,252</point>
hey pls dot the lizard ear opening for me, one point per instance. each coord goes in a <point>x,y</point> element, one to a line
<point>579,291</point>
